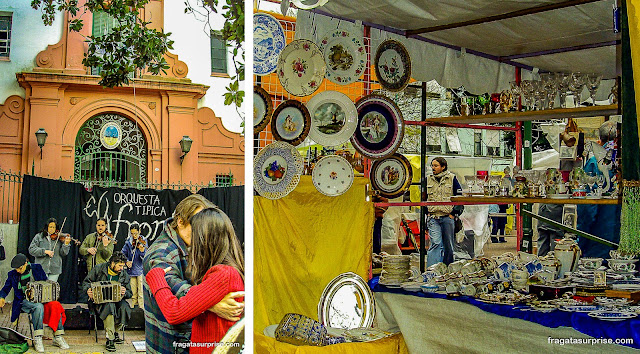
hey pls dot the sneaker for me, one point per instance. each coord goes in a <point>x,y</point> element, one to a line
<point>60,342</point>
<point>117,339</point>
<point>111,347</point>
<point>37,344</point>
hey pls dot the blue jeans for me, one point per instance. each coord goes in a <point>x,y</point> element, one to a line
<point>441,240</point>
<point>36,311</point>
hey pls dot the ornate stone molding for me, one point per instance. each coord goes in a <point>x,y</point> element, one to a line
<point>74,100</point>
<point>52,57</point>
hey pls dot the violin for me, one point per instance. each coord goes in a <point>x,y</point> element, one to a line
<point>63,237</point>
<point>139,241</point>
<point>110,237</point>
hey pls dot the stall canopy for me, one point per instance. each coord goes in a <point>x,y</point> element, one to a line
<point>563,36</point>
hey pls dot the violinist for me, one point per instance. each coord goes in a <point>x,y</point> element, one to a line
<point>134,249</point>
<point>97,247</point>
<point>48,249</point>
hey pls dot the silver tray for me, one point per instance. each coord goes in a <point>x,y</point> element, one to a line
<point>347,302</point>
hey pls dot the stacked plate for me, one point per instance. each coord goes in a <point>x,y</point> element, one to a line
<point>395,270</point>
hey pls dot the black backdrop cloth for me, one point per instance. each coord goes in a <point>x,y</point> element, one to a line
<point>45,198</point>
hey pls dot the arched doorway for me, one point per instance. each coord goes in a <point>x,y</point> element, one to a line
<point>110,148</point>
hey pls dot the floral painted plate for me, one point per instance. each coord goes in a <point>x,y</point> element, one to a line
<point>393,65</point>
<point>334,118</point>
<point>276,170</point>
<point>301,67</point>
<point>268,43</point>
<point>332,175</point>
<point>344,55</point>
<point>308,4</point>
<point>291,122</point>
<point>380,127</point>
<point>391,176</point>
<point>262,109</point>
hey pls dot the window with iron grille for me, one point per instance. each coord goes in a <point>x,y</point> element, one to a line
<point>5,36</point>
<point>224,180</point>
<point>218,54</point>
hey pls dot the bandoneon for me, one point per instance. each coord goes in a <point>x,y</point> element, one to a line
<point>42,291</point>
<point>106,291</point>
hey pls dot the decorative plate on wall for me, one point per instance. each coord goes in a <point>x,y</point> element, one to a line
<point>301,67</point>
<point>347,302</point>
<point>332,175</point>
<point>291,122</point>
<point>276,170</point>
<point>391,176</point>
<point>308,4</point>
<point>262,109</point>
<point>380,127</point>
<point>344,55</point>
<point>268,43</point>
<point>393,65</point>
<point>334,118</point>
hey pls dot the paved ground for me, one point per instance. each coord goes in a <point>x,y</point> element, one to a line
<point>80,341</point>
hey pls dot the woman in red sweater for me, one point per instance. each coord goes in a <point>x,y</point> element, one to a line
<point>216,265</point>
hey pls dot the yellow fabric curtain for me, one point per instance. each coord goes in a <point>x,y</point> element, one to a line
<point>304,240</point>
<point>394,344</point>
<point>633,11</point>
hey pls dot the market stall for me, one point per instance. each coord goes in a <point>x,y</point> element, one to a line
<point>334,76</point>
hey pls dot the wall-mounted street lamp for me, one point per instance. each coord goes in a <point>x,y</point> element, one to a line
<point>185,146</point>
<point>41,137</point>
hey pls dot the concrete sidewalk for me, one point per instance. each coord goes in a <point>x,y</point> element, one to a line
<point>80,341</point>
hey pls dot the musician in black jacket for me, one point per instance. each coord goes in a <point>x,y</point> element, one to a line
<point>114,315</point>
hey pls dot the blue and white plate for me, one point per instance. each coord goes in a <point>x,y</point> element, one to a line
<point>268,43</point>
<point>580,308</point>
<point>612,316</point>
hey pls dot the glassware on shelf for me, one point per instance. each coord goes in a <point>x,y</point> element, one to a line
<point>550,86</point>
<point>505,187</point>
<point>591,179</point>
<point>600,181</point>
<point>481,181</point>
<point>576,84</point>
<point>494,185</point>
<point>470,181</point>
<point>562,82</point>
<point>593,82</point>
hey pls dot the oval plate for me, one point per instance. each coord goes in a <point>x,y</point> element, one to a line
<point>347,302</point>
<point>262,109</point>
<point>344,56</point>
<point>276,170</point>
<point>334,118</point>
<point>393,65</point>
<point>380,127</point>
<point>332,175</point>
<point>308,4</point>
<point>291,122</point>
<point>301,68</point>
<point>268,43</point>
<point>391,176</point>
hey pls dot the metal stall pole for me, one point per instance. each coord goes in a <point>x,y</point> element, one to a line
<point>527,221</point>
<point>518,205</point>
<point>423,181</point>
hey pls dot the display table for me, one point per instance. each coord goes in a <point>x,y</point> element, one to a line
<point>461,324</point>
<point>393,344</point>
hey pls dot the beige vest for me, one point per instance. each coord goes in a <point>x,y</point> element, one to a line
<point>440,192</point>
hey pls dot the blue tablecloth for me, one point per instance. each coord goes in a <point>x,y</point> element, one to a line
<point>579,321</point>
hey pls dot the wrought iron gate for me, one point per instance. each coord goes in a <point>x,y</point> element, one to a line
<point>110,148</point>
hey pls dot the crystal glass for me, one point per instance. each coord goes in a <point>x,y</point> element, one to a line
<point>562,82</point>
<point>494,184</point>
<point>591,179</point>
<point>576,84</point>
<point>600,181</point>
<point>470,181</point>
<point>550,88</point>
<point>516,92</point>
<point>527,91</point>
<point>481,180</point>
<point>593,82</point>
